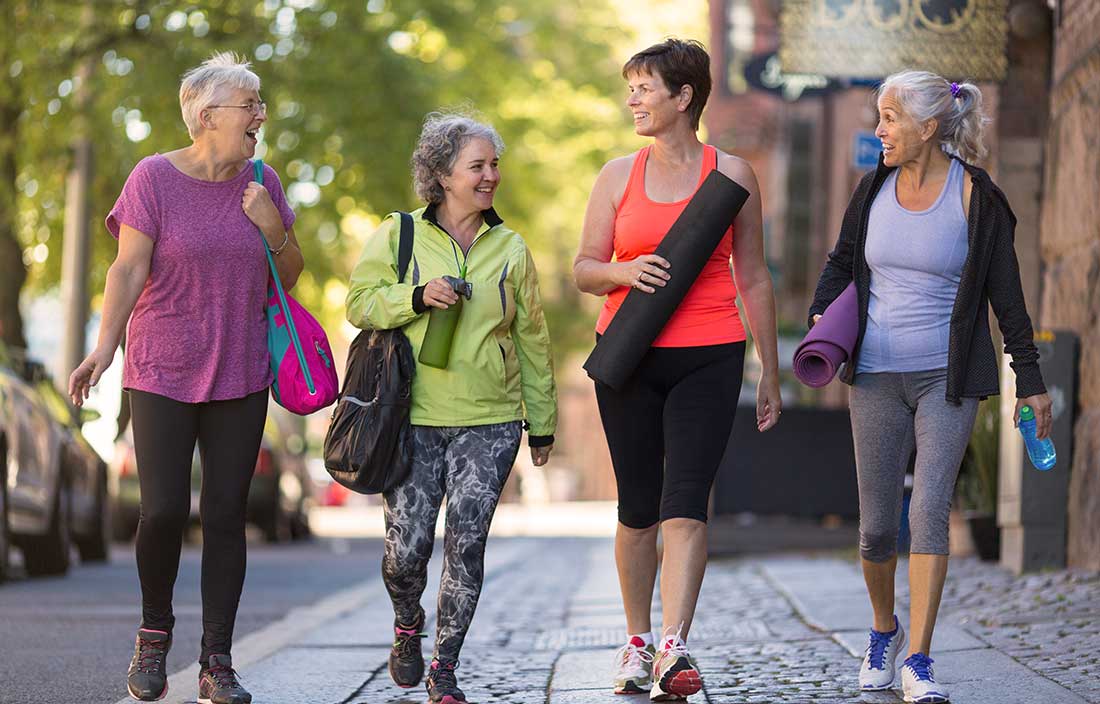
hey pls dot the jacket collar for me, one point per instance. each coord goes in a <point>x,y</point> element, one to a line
<point>490,216</point>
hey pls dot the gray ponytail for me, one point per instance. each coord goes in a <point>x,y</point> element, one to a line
<point>924,95</point>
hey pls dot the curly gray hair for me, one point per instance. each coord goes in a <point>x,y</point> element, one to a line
<point>443,137</point>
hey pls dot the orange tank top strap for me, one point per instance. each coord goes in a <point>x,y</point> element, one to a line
<point>637,176</point>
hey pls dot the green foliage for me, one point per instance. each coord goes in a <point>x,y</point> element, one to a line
<point>348,83</point>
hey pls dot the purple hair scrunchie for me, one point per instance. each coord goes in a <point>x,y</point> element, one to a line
<point>955,90</point>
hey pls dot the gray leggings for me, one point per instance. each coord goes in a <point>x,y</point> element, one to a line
<point>892,411</point>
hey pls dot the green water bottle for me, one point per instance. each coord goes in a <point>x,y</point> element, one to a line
<point>435,351</point>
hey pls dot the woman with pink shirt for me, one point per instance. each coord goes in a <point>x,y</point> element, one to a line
<point>191,278</point>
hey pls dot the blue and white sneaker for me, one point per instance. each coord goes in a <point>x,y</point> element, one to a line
<point>879,667</point>
<point>918,683</point>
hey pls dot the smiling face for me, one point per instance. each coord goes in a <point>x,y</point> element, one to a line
<point>903,138</point>
<point>234,130</point>
<point>653,106</point>
<point>474,178</point>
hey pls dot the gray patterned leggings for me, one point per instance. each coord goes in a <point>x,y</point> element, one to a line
<point>469,466</point>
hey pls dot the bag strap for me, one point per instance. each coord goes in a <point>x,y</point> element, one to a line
<point>405,246</point>
<point>258,177</point>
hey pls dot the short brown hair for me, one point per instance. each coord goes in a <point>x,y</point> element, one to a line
<point>678,63</point>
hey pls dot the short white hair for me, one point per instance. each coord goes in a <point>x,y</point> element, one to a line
<point>203,85</point>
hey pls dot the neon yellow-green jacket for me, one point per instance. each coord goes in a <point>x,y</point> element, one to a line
<point>500,364</point>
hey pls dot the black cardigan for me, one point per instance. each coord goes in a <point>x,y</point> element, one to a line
<point>990,273</point>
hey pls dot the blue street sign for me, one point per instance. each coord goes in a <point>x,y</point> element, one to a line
<point>865,150</point>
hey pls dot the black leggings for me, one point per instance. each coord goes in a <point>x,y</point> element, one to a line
<point>667,430</point>
<point>228,433</point>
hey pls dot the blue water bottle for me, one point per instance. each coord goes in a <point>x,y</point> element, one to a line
<point>1041,452</point>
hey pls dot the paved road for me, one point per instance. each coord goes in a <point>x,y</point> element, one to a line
<point>68,640</point>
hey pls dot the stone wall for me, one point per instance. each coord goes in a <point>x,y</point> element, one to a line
<point>1070,249</point>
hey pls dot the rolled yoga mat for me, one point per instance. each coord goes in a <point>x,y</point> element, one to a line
<point>687,246</point>
<point>830,342</point>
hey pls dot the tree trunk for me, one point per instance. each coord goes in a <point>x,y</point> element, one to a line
<point>12,271</point>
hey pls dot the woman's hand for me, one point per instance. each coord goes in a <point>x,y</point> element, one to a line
<point>1044,413</point>
<point>439,294</point>
<point>261,210</point>
<point>539,455</point>
<point>768,403</point>
<point>87,375</point>
<point>643,273</point>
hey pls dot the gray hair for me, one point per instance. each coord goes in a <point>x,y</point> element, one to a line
<point>924,95</point>
<point>203,85</point>
<point>443,137</point>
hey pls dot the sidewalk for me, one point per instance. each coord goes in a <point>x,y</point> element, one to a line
<point>769,630</point>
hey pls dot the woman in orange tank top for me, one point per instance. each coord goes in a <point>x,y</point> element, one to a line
<point>668,427</point>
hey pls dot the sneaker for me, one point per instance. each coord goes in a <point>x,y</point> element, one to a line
<point>635,663</point>
<point>918,683</point>
<point>406,660</point>
<point>147,680</point>
<point>675,676</point>
<point>218,683</point>
<point>879,668</point>
<point>443,685</point>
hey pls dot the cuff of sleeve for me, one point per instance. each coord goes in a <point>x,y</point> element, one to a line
<point>1029,381</point>
<point>419,306</point>
<point>540,440</point>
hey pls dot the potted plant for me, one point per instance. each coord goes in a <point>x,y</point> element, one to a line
<point>977,486</point>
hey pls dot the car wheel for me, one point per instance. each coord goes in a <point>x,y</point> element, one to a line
<point>49,554</point>
<point>5,538</point>
<point>95,547</point>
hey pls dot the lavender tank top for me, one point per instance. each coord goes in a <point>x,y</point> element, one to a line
<point>916,260</point>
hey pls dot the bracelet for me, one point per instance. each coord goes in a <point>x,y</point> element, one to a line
<point>286,241</point>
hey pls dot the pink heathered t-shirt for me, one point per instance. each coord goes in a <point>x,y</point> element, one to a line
<point>198,331</point>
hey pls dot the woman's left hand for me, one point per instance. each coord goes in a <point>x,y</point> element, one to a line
<point>261,210</point>
<point>768,403</point>
<point>539,455</point>
<point>1043,408</point>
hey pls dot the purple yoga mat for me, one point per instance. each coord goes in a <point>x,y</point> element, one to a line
<point>830,342</point>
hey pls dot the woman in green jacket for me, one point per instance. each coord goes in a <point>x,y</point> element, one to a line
<point>467,418</point>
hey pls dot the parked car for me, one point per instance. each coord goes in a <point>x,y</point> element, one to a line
<point>279,497</point>
<point>53,485</point>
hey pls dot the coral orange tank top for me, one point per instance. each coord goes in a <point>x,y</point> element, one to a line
<point>708,314</point>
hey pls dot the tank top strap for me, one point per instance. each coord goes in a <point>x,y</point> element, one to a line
<point>637,175</point>
<point>710,162</point>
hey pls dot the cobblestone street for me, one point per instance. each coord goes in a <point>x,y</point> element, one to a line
<point>782,629</point>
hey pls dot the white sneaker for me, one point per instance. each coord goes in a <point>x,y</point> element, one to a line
<point>879,667</point>
<point>675,674</point>
<point>635,667</point>
<point>918,683</point>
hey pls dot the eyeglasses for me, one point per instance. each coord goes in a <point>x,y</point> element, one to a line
<point>256,109</point>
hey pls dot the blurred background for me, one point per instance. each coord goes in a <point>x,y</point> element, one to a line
<point>90,87</point>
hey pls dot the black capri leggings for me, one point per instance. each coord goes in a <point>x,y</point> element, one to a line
<point>667,430</point>
<point>228,434</point>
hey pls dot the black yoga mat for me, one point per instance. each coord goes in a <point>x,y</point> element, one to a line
<point>687,246</point>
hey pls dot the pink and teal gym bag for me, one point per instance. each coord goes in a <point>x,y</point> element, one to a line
<point>301,358</point>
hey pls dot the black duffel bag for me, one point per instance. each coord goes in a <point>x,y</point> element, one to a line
<point>369,445</point>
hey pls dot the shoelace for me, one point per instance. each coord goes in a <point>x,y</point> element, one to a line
<point>876,650</point>
<point>224,676</point>
<point>150,653</point>
<point>921,665</point>
<point>678,647</point>
<point>403,642</point>
<point>631,655</point>
<point>443,676</point>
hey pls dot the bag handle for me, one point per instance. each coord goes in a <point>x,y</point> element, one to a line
<point>405,246</point>
<point>258,177</point>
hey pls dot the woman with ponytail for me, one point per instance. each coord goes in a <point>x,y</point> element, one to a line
<point>928,240</point>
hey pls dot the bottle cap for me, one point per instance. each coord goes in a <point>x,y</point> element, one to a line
<point>1026,413</point>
